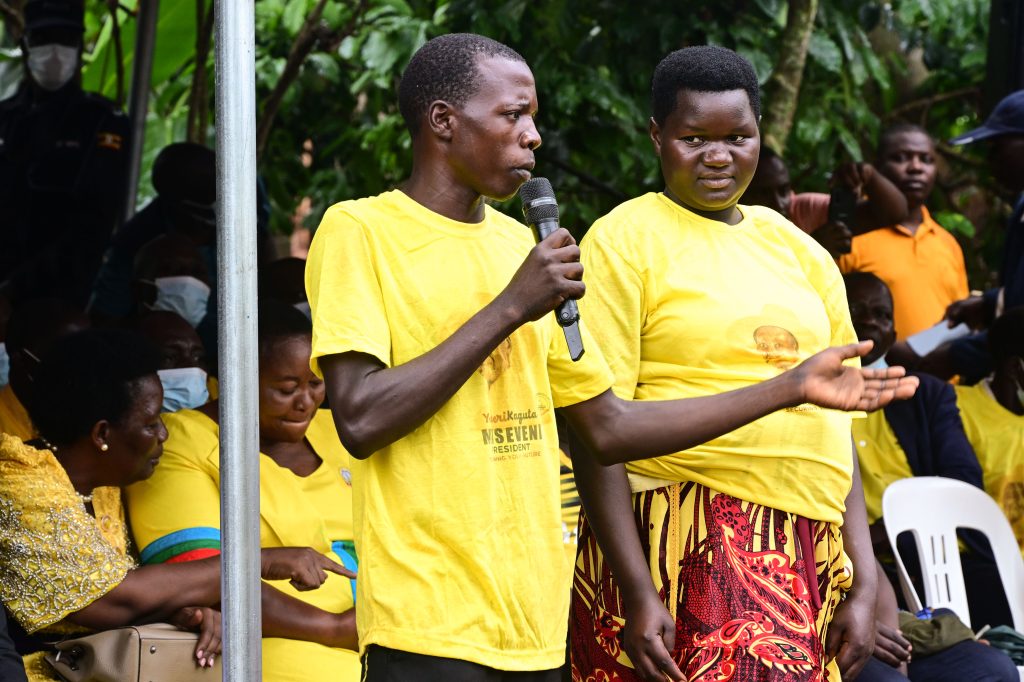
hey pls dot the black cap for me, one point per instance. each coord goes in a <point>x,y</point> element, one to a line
<point>40,14</point>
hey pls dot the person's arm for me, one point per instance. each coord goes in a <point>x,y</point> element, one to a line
<point>851,635</point>
<point>359,385</point>
<point>884,204</point>
<point>891,647</point>
<point>290,618</point>
<point>617,430</point>
<point>977,312</point>
<point>649,632</point>
<point>164,592</point>
<point>152,593</point>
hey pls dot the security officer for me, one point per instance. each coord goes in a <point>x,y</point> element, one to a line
<point>63,161</point>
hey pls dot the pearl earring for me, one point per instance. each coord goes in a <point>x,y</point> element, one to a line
<point>104,447</point>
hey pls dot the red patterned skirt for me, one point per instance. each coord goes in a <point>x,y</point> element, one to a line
<point>752,590</point>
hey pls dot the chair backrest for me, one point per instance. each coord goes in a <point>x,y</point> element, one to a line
<point>932,508</point>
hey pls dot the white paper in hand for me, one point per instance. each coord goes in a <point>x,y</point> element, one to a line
<point>925,342</point>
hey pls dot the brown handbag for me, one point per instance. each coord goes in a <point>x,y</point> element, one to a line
<point>145,653</point>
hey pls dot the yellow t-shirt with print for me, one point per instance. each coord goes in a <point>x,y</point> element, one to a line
<point>882,460</point>
<point>997,436</point>
<point>457,524</point>
<point>686,306</point>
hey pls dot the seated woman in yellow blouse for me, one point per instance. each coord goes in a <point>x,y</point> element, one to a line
<point>305,492</point>
<point>65,563</point>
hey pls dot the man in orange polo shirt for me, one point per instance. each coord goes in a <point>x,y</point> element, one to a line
<point>919,260</point>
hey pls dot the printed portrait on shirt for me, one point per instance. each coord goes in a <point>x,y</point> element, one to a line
<point>775,335</point>
<point>500,360</point>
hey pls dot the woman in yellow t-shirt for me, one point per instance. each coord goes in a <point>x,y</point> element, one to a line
<point>66,566</point>
<point>740,565</point>
<point>305,498</point>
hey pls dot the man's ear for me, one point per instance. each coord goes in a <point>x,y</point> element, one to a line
<point>440,117</point>
<point>655,133</point>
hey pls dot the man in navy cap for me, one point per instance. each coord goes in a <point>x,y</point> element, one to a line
<point>968,357</point>
<point>63,160</point>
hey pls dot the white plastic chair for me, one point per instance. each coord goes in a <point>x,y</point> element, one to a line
<point>932,508</point>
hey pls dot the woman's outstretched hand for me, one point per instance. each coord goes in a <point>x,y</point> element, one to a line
<point>827,382</point>
<point>305,568</point>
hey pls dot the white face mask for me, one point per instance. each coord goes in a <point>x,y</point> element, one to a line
<point>303,307</point>
<point>184,388</point>
<point>5,365</point>
<point>186,296</point>
<point>53,65</point>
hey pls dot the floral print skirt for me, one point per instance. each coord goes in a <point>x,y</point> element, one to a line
<point>752,590</point>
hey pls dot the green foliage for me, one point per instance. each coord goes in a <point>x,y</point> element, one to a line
<point>338,134</point>
<point>955,222</point>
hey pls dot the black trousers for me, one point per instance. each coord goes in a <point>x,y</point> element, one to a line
<point>381,664</point>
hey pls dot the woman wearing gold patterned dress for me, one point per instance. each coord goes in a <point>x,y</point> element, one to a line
<point>66,567</point>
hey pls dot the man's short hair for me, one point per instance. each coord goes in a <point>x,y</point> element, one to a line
<point>866,279</point>
<point>445,68</point>
<point>897,129</point>
<point>703,68</point>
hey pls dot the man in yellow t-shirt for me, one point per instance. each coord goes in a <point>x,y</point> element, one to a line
<point>923,436</point>
<point>431,326</point>
<point>920,261</point>
<point>993,415</point>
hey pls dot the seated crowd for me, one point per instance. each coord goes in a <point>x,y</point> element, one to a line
<point>109,421</point>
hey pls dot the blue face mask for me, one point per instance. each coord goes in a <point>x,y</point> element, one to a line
<point>880,363</point>
<point>5,365</point>
<point>185,295</point>
<point>184,388</point>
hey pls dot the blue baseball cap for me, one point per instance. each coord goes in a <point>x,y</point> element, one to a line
<point>1006,119</point>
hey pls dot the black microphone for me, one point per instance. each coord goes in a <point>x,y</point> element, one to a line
<point>541,212</point>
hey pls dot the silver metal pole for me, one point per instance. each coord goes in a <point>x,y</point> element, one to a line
<point>142,70</point>
<point>235,69</point>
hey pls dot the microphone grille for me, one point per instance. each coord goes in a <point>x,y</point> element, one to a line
<point>534,188</point>
<point>534,210</point>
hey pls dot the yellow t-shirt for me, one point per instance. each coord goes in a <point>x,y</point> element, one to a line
<point>14,418</point>
<point>882,460</point>
<point>997,436</point>
<point>175,516</point>
<point>686,306</point>
<point>458,523</point>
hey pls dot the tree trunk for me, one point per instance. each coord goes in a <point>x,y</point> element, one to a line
<point>199,96</point>
<point>783,89</point>
<point>304,43</point>
<point>310,36</point>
